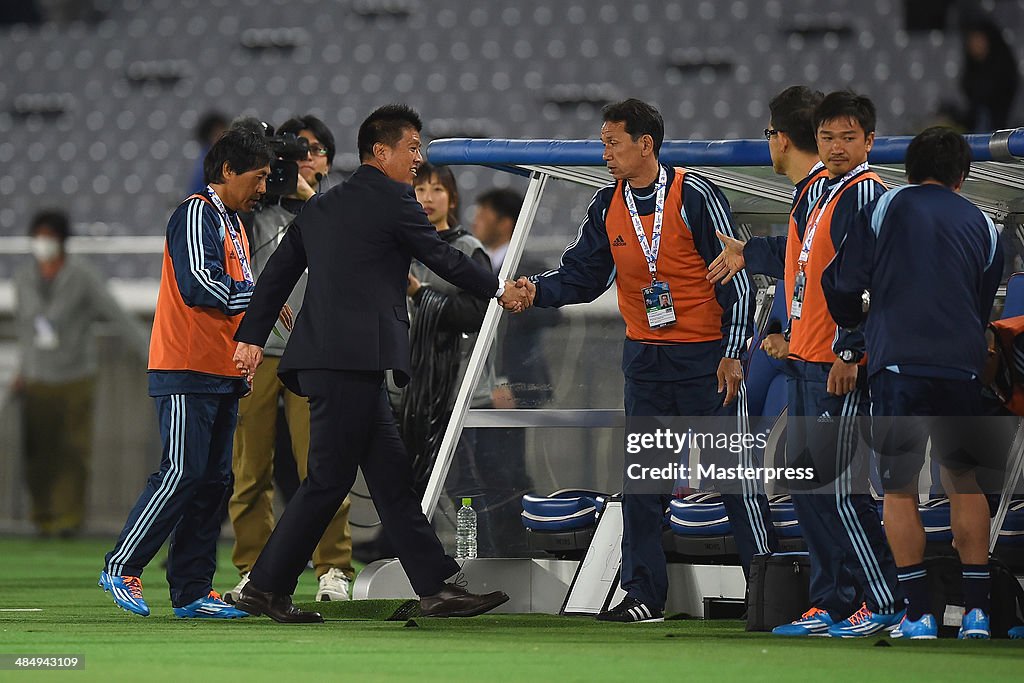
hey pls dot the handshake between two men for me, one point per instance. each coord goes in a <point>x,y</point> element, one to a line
<point>517,297</point>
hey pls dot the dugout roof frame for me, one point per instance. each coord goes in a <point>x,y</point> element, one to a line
<point>741,168</point>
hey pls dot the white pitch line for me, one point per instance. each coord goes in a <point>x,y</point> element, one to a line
<point>20,609</point>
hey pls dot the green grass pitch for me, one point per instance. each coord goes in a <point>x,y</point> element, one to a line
<point>77,618</point>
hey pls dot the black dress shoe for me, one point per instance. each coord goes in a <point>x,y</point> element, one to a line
<point>456,601</point>
<point>274,605</point>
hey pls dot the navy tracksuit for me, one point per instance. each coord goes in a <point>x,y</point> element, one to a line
<point>933,263</point>
<point>852,560</point>
<point>185,498</point>
<point>674,378</point>
<point>197,405</point>
<point>644,572</point>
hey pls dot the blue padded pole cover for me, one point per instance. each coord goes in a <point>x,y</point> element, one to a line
<point>887,150</point>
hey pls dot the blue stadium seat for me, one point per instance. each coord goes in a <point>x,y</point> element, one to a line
<point>1014,303</point>
<point>1012,533</point>
<point>784,518</point>
<point>563,510</point>
<point>935,519</point>
<point>699,514</point>
<point>699,530</point>
<point>563,523</point>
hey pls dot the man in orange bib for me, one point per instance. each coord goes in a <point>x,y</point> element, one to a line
<point>653,233</point>
<point>853,586</point>
<point>205,286</point>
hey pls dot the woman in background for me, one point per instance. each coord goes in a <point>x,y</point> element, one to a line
<point>444,325</point>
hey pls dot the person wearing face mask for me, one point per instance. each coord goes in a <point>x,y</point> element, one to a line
<point>250,506</point>
<point>58,299</point>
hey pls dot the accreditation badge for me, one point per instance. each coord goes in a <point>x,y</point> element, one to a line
<point>799,285</point>
<point>46,336</point>
<point>658,302</point>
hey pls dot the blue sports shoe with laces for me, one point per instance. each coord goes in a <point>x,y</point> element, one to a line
<point>813,622</point>
<point>209,607</point>
<point>1017,633</point>
<point>924,628</point>
<point>126,591</point>
<point>864,622</point>
<point>975,625</point>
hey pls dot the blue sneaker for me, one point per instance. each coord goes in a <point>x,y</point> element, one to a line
<point>924,628</point>
<point>210,607</point>
<point>864,622</point>
<point>813,622</point>
<point>1016,633</point>
<point>126,591</point>
<point>975,626</point>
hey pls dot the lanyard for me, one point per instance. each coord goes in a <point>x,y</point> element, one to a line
<point>229,228</point>
<point>812,224</point>
<point>650,250</point>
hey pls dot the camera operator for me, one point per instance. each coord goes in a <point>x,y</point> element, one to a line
<point>304,148</point>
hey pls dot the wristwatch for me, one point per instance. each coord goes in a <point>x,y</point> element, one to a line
<point>850,356</point>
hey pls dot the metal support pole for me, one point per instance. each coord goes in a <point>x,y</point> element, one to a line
<point>484,341</point>
<point>1014,470</point>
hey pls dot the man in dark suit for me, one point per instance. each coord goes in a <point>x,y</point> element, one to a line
<point>357,241</point>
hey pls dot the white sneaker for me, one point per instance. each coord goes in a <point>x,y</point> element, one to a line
<point>231,597</point>
<point>333,586</point>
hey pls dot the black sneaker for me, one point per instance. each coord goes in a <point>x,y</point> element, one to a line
<point>632,611</point>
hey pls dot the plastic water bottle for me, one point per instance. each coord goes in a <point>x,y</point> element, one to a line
<point>465,531</point>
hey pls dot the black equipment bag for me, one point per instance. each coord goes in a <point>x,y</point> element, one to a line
<point>777,590</point>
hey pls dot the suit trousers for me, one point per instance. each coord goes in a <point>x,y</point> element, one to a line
<point>250,507</point>
<point>58,429</point>
<point>352,426</point>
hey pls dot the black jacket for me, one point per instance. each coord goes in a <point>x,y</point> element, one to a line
<point>357,240</point>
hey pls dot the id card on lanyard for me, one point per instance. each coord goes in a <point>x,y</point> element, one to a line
<point>658,297</point>
<point>229,228</point>
<point>796,307</point>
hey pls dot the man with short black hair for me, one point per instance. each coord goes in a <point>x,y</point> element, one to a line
<point>851,565</point>
<point>825,361</point>
<point>205,286</point>
<point>357,241</point>
<point>250,507</point>
<point>932,262</point>
<point>652,232</point>
<point>794,154</point>
<point>497,211</point>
